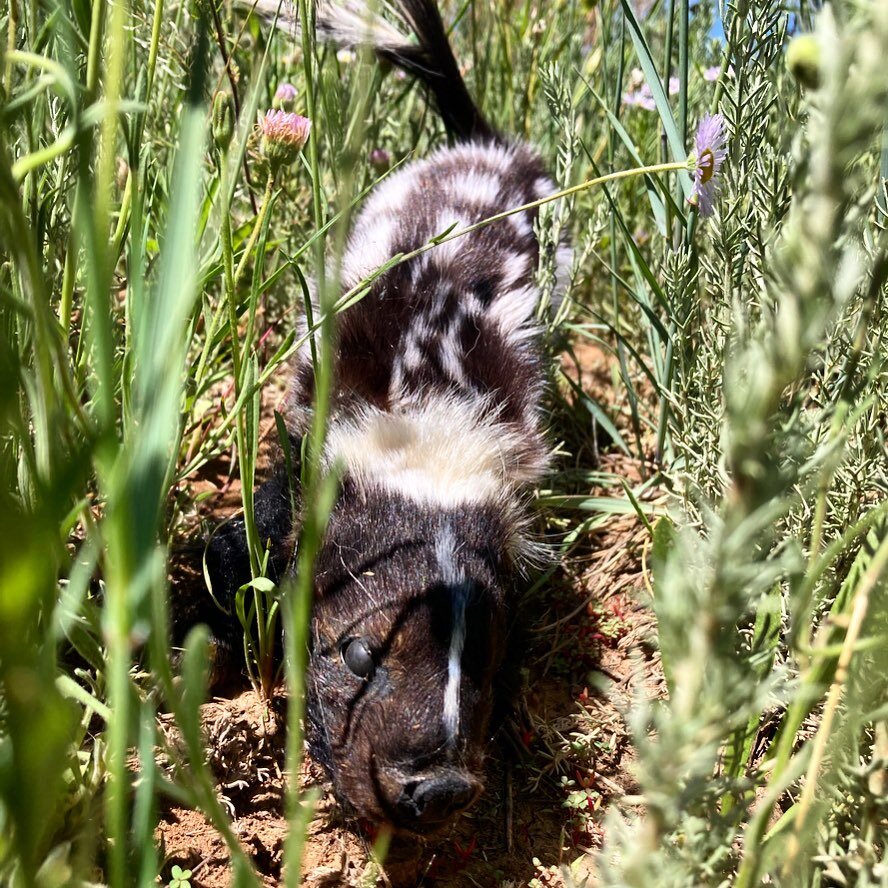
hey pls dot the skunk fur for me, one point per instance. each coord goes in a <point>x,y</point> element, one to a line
<point>436,419</point>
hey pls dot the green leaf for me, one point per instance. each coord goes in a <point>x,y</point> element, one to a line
<point>260,584</point>
<point>656,194</point>
<point>636,505</point>
<point>661,100</point>
<point>195,660</point>
<point>664,538</point>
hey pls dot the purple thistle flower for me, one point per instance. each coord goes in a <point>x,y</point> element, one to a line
<point>284,97</point>
<point>380,160</point>
<point>284,134</point>
<point>710,152</point>
<point>286,128</point>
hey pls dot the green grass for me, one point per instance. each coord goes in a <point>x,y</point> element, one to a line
<point>150,279</point>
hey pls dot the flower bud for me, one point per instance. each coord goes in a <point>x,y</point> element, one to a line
<point>223,120</point>
<point>284,134</point>
<point>123,171</point>
<point>284,97</point>
<point>803,60</point>
<point>380,160</point>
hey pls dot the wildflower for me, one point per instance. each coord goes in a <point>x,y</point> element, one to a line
<point>710,152</point>
<point>715,72</point>
<point>284,97</point>
<point>642,97</point>
<point>283,136</point>
<point>345,56</point>
<point>380,160</point>
<point>639,93</point>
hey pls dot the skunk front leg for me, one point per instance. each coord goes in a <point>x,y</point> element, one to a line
<point>226,559</point>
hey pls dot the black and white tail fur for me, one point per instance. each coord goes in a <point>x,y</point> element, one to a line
<point>436,419</point>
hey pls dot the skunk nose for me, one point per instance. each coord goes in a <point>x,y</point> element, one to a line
<point>430,802</point>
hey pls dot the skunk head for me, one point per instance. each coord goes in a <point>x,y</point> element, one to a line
<point>408,631</point>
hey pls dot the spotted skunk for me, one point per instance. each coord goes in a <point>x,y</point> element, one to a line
<point>436,419</point>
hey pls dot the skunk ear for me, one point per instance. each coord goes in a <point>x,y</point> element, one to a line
<point>227,556</point>
<point>222,562</point>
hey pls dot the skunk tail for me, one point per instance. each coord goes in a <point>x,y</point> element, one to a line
<point>426,54</point>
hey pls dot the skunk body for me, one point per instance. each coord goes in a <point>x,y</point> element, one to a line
<point>436,421</point>
<point>438,373</point>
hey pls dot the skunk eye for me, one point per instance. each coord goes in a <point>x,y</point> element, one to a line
<point>356,655</point>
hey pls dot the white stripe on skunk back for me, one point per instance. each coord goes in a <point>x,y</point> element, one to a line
<point>442,452</point>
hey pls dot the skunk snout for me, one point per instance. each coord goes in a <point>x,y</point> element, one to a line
<point>428,802</point>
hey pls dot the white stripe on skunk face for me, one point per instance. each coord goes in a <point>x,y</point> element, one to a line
<point>455,581</point>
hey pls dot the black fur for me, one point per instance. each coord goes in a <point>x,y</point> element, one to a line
<point>227,562</point>
<point>390,589</point>
<point>438,375</point>
<point>432,61</point>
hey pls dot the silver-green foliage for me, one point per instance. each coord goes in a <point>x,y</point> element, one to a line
<point>771,599</point>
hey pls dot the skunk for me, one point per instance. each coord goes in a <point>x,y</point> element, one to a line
<point>436,422</point>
